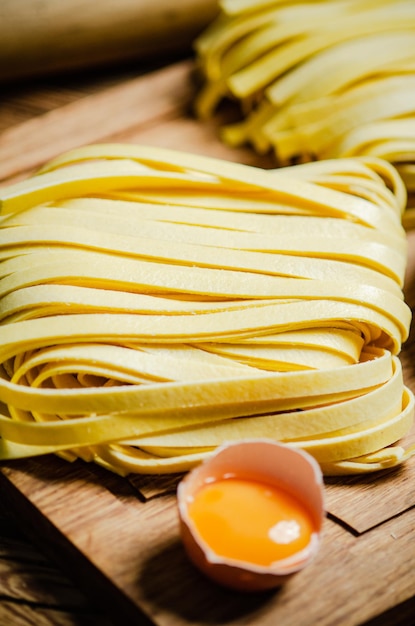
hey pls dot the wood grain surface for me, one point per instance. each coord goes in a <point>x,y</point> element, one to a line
<point>118,538</point>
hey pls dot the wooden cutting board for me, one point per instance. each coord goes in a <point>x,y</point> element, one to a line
<point>119,537</point>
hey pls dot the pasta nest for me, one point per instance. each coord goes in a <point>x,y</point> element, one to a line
<point>315,80</point>
<point>155,304</point>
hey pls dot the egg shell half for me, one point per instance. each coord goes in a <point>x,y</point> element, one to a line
<point>268,462</point>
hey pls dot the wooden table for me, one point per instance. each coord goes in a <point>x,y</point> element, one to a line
<point>80,527</point>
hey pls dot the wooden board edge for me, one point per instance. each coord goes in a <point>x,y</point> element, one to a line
<point>52,542</point>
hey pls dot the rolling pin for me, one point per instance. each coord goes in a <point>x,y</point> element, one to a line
<point>44,36</point>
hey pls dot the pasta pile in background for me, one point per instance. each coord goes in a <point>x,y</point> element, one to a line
<point>155,304</point>
<point>316,79</point>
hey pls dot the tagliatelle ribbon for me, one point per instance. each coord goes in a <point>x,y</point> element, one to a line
<point>154,304</point>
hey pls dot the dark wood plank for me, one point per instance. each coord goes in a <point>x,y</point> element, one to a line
<point>16,614</point>
<point>34,590</point>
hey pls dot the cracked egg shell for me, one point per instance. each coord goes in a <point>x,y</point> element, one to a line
<point>280,469</point>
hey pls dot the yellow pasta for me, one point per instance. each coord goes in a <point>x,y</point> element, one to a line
<point>315,80</point>
<point>155,304</point>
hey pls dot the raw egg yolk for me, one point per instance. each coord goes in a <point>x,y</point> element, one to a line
<point>250,521</point>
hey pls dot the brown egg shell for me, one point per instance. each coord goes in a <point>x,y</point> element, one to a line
<point>269,462</point>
